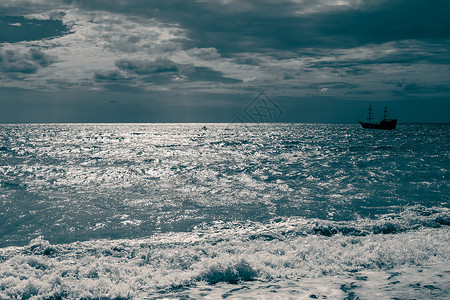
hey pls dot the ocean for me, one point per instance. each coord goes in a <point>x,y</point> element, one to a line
<point>236,211</point>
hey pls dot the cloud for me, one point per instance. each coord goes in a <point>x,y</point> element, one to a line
<point>204,53</point>
<point>18,28</point>
<point>24,7</point>
<point>348,48</point>
<point>264,25</point>
<point>159,71</point>
<point>111,75</point>
<point>209,75</point>
<point>145,67</point>
<point>414,88</point>
<point>28,62</point>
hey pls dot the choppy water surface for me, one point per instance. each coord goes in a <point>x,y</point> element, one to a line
<point>232,211</point>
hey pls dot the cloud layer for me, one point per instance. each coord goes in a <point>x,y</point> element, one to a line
<point>349,50</point>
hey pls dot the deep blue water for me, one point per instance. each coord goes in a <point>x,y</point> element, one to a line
<point>78,182</point>
<point>117,210</point>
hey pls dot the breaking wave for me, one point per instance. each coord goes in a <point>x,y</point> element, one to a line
<point>281,251</point>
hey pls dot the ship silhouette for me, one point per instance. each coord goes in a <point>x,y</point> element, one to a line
<point>385,123</point>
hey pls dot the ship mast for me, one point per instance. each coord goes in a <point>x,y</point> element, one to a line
<point>369,118</point>
<point>385,113</point>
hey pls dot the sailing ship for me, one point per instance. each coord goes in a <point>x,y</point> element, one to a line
<point>385,123</point>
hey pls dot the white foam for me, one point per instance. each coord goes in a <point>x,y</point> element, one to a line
<point>235,263</point>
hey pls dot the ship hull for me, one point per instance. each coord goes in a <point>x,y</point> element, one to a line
<point>384,124</point>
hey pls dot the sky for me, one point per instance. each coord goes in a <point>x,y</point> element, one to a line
<point>319,61</point>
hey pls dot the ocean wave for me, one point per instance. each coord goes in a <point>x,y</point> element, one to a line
<point>307,211</point>
<point>70,177</point>
<point>409,218</point>
<point>223,253</point>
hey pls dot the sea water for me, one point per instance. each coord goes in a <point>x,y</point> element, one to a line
<point>237,211</point>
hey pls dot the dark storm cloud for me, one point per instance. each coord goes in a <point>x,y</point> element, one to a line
<point>310,49</point>
<point>160,70</point>
<point>143,67</point>
<point>271,25</point>
<point>129,72</point>
<point>389,21</point>
<point>207,74</point>
<point>416,89</point>
<point>257,26</point>
<point>17,28</point>
<point>28,62</point>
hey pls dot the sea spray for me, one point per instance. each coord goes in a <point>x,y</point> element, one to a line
<point>166,262</point>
